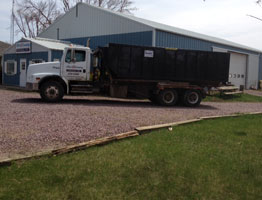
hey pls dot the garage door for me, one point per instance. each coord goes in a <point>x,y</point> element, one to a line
<point>237,70</point>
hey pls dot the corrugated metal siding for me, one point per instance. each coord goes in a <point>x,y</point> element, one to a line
<point>165,39</point>
<point>139,38</point>
<point>91,21</point>
<point>252,70</point>
<point>56,55</point>
<point>260,67</point>
<point>14,80</point>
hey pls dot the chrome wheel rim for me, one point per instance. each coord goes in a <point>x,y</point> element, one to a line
<point>193,97</point>
<point>52,92</point>
<point>169,97</point>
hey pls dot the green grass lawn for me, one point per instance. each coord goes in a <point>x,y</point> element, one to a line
<point>233,98</point>
<point>211,159</point>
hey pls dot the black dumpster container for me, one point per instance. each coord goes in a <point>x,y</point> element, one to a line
<point>150,63</point>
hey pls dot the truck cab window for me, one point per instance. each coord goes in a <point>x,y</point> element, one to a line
<point>80,56</point>
<point>68,56</point>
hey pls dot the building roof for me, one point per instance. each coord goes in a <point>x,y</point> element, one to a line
<point>175,30</point>
<point>167,28</point>
<point>49,43</point>
<point>3,47</point>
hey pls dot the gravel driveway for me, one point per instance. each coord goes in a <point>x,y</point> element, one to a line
<point>29,125</point>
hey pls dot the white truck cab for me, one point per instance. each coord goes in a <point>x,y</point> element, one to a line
<point>52,78</point>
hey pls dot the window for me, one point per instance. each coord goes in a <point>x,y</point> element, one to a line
<point>68,56</point>
<point>35,61</point>
<point>10,67</point>
<point>23,65</point>
<point>80,56</point>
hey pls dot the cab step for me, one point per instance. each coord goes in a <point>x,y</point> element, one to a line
<point>83,89</point>
<point>81,92</point>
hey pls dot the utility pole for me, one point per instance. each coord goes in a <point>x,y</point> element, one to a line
<point>12,27</point>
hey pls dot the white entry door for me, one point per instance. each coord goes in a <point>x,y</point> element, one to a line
<point>237,70</point>
<point>22,72</point>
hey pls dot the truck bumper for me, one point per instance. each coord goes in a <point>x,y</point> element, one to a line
<point>32,86</point>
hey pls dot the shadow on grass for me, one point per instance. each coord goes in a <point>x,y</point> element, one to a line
<point>109,102</point>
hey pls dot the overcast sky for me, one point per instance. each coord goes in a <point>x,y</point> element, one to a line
<point>225,19</point>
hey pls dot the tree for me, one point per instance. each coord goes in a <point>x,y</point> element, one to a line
<point>259,2</point>
<point>33,16</point>
<point>123,6</point>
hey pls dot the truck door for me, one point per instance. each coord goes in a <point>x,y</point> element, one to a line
<point>75,65</point>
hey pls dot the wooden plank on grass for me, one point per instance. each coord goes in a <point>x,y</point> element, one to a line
<point>154,127</point>
<point>101,141</point>
<point>231,115</point>
<point>255,113</point>
<point>220,116</point>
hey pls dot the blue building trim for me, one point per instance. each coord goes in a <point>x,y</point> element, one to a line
<point>260,68</point>
<point>56,54</point>
<point>172,40</point>
<point>14,80</point>
<point>139,38</point>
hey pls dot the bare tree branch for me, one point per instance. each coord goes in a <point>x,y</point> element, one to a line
<point>255,17</point>
<point>33,16</point>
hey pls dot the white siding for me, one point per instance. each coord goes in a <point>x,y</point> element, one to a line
<point>91,21</point>
<point>252,71</point>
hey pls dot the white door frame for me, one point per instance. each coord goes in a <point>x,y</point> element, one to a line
<point>22,72</point>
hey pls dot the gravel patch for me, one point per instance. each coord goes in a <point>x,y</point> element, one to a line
<point>254,92</point>
<point>28,125</point>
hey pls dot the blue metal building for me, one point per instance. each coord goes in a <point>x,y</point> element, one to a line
<point>28,51</point>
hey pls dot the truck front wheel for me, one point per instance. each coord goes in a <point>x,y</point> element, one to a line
<point>168,97</point>
<point>51,91</point>
<point>192,98</point>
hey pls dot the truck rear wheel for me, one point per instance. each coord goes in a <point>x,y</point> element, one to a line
<point>192,98</point>
<point>51,91</point>
<point>168,97</point>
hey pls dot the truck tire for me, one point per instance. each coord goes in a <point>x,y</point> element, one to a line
<point>192,98</point>
<point>168,97</point>
<point>51,91</point>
